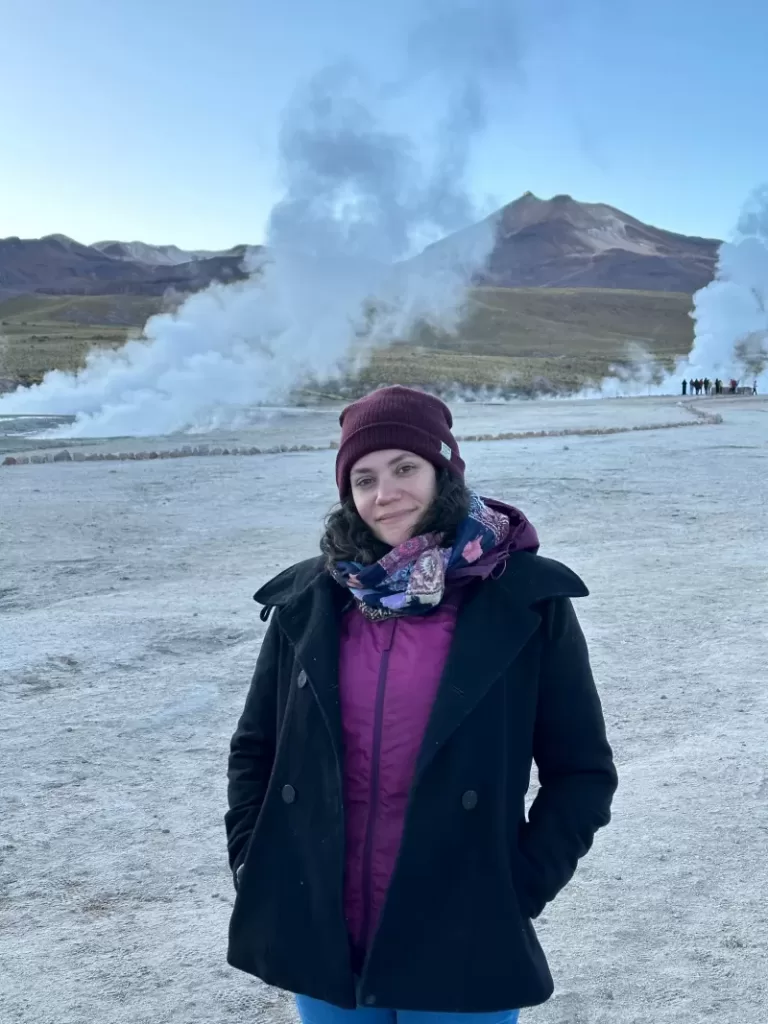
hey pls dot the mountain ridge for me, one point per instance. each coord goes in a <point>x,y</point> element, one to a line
<point>540,243</point>
<point>158,255</point>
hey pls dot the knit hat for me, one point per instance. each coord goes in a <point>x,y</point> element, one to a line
<point>397,417</point>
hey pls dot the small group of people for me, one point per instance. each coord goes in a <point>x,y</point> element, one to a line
<point>707,387</point>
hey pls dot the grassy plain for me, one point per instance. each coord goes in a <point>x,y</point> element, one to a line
<point>517,339</point>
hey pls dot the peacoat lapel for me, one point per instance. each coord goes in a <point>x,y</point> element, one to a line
<point>491,630</point>
<point>311,621</point>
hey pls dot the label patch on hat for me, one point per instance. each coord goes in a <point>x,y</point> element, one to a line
<point>445,451</point>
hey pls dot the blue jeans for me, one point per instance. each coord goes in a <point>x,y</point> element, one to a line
<point>312,1011</point>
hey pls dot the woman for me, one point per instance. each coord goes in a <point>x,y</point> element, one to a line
<point>376,827</point>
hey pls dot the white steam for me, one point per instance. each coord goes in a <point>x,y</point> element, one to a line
<point>731,313</point>
<point>639,374</point>
<point>358,200</point>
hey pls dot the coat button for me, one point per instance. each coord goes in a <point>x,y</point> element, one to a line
<point>469,800</point>
<point>301,681</point>
<point>288,794</point>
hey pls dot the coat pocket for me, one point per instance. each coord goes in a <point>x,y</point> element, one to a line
<point>530,906</point>
<point>238,868</point>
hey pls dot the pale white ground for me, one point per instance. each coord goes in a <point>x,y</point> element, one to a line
<point>319,426</point>
<point>128,636</point>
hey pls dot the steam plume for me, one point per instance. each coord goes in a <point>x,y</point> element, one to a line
<point>358,198</point>
<point>731,313</point>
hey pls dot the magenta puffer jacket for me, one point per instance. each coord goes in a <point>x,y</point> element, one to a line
<point>389,672</point>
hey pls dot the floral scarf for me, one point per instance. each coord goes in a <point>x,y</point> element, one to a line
<point>411,578</point>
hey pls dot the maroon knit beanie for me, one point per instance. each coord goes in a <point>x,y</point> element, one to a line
<point>397,417</point>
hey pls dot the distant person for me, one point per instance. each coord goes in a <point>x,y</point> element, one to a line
<point>754,386</point>
<point>707,385</point>
<point>685,386</point>
<point>734,385</point>
<point>718,386</point>
<point>414,665</point>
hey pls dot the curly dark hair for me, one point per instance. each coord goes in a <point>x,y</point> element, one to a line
<point>348,539</point>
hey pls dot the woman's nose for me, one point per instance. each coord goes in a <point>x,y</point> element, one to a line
<point>387,491</point>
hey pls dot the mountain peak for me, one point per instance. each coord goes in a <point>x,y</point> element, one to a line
<point>531,198</point>
<point>563,243</point>
<point>64,240</point>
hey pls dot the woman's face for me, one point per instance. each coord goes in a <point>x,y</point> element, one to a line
<point>392,490</point>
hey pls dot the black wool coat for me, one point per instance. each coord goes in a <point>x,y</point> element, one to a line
<point>455,933</point>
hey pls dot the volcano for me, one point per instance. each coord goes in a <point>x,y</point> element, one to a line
<point>562,243</point>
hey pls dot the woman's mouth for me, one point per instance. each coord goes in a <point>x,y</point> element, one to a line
<point>394,516</point>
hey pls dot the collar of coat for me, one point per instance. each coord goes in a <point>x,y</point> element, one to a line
<point>495,621</point>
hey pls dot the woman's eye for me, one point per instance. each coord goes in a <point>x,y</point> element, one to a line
<point>406,467</point>
<point>363,482</point>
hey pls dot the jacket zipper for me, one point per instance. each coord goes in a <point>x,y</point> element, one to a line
<point>378,728</point>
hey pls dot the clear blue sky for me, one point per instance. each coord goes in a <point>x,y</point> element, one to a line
<point>158,119</point>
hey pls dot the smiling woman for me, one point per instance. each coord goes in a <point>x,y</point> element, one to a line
<point>392,491</point>
<point>376,827</point>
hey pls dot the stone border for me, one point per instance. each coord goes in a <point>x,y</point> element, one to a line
<point>705,417</point>
<point>702,419</point>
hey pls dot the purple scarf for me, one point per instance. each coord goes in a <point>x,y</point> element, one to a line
<point>411,579</point>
